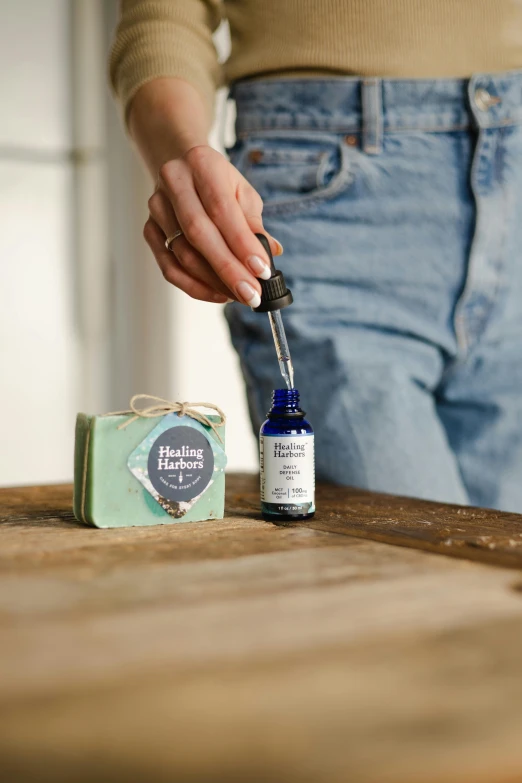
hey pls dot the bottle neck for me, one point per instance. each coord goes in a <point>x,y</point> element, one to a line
<point>285,404</point>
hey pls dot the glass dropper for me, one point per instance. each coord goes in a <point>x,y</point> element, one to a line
<point>283,351</point>
<point>274,297</point>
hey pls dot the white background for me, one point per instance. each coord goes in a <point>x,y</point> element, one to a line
<point>59,310</point>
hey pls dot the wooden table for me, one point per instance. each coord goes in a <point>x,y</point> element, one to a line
<point>239,652</point>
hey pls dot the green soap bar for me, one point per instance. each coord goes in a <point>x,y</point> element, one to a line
<point>107,494</point>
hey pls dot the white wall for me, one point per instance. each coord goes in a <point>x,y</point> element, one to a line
<point>48,350</point>
<point>38,338</point>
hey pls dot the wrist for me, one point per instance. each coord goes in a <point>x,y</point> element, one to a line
<point>167,118</point>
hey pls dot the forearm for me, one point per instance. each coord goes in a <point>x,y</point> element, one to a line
<point>217,255</point>
<point>167,117</point>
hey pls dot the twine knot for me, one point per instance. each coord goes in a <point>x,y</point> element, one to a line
<point>157,407</point>
<point>183,406</point>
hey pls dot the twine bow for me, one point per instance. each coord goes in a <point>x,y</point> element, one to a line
<point>159,407</point>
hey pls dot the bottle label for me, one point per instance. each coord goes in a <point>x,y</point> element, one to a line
<point>287,470</point>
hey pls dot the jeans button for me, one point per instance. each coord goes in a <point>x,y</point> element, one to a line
<point>484,100</point>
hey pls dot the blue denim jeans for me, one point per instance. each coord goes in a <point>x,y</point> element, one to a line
<point>399,205</point>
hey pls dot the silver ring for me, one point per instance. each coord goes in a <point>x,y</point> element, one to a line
<point>170,240</point>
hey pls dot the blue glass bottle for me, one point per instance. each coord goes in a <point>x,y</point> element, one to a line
<point>286,445</point>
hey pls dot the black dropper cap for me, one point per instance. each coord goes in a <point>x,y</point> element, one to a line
<point>274,293</point>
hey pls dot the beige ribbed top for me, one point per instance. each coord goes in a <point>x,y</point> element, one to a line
<point>389,38</point>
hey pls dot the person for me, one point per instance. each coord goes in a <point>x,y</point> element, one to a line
<point>381,144</point>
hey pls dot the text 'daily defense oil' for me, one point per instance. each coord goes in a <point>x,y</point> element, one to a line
<point>286,446</point>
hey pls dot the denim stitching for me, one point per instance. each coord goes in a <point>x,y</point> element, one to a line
<point>340,184</point>
<point>462,335</point>
<point>321,170</point>
<point>339,128</point>
<point>502,271</point>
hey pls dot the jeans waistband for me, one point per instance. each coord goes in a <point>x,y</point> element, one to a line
<point>375,106</point>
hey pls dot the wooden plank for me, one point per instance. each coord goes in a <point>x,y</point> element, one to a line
<point>55,632</point>
<point>388,664</point>
<point>443,708</point>
<point>38,531</point>
<point>238,651</point>
<point>470,533</point>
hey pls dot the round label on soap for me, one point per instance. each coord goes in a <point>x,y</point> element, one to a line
<point>181,463</point>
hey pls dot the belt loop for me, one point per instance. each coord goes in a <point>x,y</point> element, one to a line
<point>372,126</point>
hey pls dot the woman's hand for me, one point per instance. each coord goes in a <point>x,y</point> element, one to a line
<point>217,257</point>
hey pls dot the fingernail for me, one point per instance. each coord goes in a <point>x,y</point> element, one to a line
<point>280,249</point>
<point>220,298</point>
<point>248,294</point>
<point>258,267</point>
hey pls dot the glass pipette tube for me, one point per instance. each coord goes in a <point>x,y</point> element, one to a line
<point>282,349</point>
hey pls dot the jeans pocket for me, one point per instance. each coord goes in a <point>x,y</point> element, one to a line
<point>293,171</point>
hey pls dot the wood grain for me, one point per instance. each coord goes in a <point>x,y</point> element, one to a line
<point>470,533</point>
<point>456,531</point>
<point>238,651</point>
